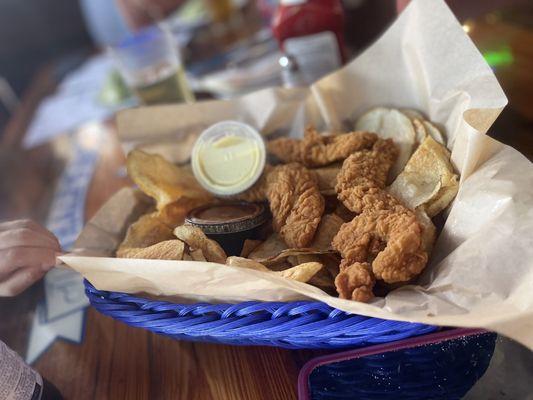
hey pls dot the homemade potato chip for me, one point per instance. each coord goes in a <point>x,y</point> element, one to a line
<point>248,246</point>
<point>197,255</point>
<point>430,232</point>
<point>418,124</point>
<point>146,231</point>
<point>428,179</point>
<point>414,194</point>
<point>174,214</point>
<point>303,272</point>
<point>427,127</point>
<point>293,261</point>
<point>305,258</point>
<point>311,272</point>
<point>166,250</point>
<point>390,124</point>
<point>327,229</point>
<point>434,132</point>
<point>444,196</point>
<point>322,279</point>
<point>269,248</point>
<point>331,263</point>
<point>280,265</point>
<point>242,262</point>
<point>283,255</point>
<point>412,114</point>
<point>196,239</point>
<point>162,180</point>
<point>420,130</point>
<point>175,151</point>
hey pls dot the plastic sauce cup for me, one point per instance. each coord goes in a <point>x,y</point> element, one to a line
<point>228,158</point>
<point>231,223</point>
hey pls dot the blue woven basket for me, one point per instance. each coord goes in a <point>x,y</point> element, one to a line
<point>295,325</point>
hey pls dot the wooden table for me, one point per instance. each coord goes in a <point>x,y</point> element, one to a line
<point>116,361</point>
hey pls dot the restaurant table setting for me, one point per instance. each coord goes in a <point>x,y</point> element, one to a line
<point>432,337</point>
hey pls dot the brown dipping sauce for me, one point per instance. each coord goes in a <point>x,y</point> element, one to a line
<point>230,224</point>
<point>226,212</point>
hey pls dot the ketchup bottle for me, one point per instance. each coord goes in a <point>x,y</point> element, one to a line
<point>311,32</point>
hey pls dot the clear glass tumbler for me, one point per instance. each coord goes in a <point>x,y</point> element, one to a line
<point>150,63</point>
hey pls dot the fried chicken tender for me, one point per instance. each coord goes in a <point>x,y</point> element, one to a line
<point>286,149</point>
<point>363,176</point>
<point>363,238</point>
<point>385,241</point>
<point>316,150</point>
<point>296,203</point>
<point>257,193</point>
<point>355,281</point>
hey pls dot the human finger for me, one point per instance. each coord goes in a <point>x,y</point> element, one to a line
<point>20,280</point>
<point>27,237</point>
<point>28,224</point>
<point>20,257</point>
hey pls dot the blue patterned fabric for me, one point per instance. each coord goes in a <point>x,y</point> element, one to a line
<point>66,217</point>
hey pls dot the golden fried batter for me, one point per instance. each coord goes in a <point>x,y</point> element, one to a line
<point>355,281</point>
<point>398,231</point>
<point>286,149</point>
<point>316,150</point>
<point>295,202</point>
<point>257,193</point>
<point>363,176</point>
<point>386,234</point>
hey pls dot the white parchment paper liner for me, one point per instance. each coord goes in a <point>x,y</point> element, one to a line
<point>481,270</point>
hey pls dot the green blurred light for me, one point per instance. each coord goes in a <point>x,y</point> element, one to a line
<point>498,58</point>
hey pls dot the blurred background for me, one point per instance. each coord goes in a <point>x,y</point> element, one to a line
<point>65,65</point>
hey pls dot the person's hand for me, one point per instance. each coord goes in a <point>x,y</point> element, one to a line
<point>27,252</point>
